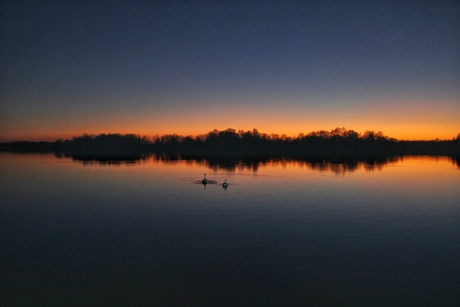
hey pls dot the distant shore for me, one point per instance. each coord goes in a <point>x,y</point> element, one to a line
<point>336,142</point>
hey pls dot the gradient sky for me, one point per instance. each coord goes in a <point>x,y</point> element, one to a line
<point>187,67</point>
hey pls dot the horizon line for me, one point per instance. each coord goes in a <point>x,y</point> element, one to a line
<point>237,131</point>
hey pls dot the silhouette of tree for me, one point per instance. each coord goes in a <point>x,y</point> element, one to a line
<point>338,141</point>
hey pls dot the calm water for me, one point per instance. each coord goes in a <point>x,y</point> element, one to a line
<point>282,233</point>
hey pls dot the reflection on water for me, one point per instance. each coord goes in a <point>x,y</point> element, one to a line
<point>231,163</point>
<point>106,159</point>
<point>287,231</point>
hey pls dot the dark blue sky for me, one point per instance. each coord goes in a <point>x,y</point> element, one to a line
<point>192,66</point>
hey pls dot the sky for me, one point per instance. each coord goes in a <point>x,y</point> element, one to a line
<point>188,67</point>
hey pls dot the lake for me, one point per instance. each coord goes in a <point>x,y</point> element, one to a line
<point>382,232</point>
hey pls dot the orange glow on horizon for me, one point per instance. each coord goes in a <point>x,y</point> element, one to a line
<point>399,133</point>
<point>403,124</point>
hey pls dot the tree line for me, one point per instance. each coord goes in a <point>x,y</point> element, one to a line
<point>339,141</point>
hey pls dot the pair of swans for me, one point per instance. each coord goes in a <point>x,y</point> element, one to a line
<point>205,181</point>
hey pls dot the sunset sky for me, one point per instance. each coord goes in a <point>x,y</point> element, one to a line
<point>188,67</point>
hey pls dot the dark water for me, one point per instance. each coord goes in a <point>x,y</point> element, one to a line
<point>284,232</point>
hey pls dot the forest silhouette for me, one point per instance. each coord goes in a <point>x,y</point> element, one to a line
<point>337,142</point>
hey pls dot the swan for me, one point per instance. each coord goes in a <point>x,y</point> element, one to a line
<point>225,184</point>
<point>204,181</point>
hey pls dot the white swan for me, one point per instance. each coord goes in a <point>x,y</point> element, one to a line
<point>225,184</point>
<point>204,181</point>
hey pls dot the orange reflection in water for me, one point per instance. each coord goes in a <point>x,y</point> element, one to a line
<point>401,168</point>
<point>385,177</point>
<point>414,164</point>
<point>415,168</point>
<point>397,170</point>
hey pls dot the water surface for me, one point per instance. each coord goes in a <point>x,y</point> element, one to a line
<point>285,231</point>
